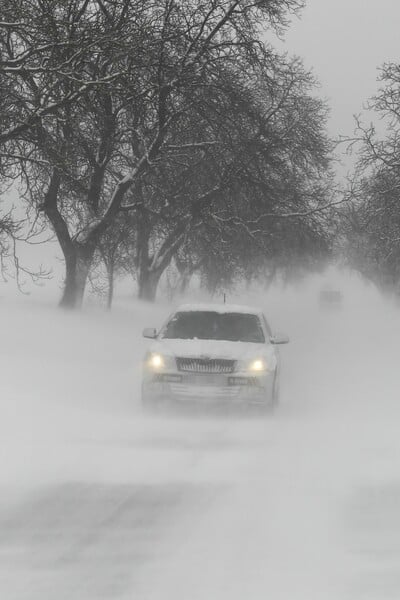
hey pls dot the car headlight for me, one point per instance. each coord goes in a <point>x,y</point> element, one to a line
<point>155,361</point>
<point>259,364</point>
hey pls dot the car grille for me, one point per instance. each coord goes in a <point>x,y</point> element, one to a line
<point>205,365</point>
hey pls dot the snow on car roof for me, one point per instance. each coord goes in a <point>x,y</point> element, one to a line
<point>220,308</point>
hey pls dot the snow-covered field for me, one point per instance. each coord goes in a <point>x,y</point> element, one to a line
<point>99,501</point>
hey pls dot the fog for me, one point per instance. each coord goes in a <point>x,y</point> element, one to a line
<point>99,500</point>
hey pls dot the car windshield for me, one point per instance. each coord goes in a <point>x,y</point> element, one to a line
<point>209,325</point>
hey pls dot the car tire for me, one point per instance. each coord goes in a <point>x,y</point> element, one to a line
<point>275,391</point>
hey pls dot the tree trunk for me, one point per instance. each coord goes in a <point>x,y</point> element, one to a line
<point>186,276</point>
<point>151,268</point>
<point>78,263</point>
<point>148,283</point>
<point>110,293</point>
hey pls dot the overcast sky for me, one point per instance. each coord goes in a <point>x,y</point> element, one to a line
<point>344,42</point>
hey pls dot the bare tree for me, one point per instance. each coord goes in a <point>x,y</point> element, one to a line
<point>261,182</point>
<point>372,222</point>
<point>128,71</point>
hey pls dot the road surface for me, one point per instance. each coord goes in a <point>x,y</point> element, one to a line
<point>99,501</point>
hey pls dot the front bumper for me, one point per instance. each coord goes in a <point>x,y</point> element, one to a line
<point>234,388</point>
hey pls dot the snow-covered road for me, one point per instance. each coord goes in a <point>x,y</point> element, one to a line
<point>100,501</point>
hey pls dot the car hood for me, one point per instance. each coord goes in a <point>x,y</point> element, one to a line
<point>211,349</point>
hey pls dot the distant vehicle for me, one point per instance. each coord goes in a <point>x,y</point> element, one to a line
<point>213,353</point>
<point>330,299</point>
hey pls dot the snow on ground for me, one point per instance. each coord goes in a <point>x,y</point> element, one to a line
<point>100,501</point>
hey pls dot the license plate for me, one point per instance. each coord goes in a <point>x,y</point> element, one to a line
<point>206,379</point>
<point>238,381</point>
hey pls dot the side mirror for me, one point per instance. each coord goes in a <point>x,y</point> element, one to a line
<point>150,332</point>
<point>279,338</point>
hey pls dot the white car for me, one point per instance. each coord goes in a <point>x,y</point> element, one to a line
<point>209,352</point>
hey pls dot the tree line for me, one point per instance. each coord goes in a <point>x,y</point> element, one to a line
<point>143,134</point>
<point>371,220</point>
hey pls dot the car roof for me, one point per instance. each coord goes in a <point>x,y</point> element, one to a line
<point>219,308</point>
